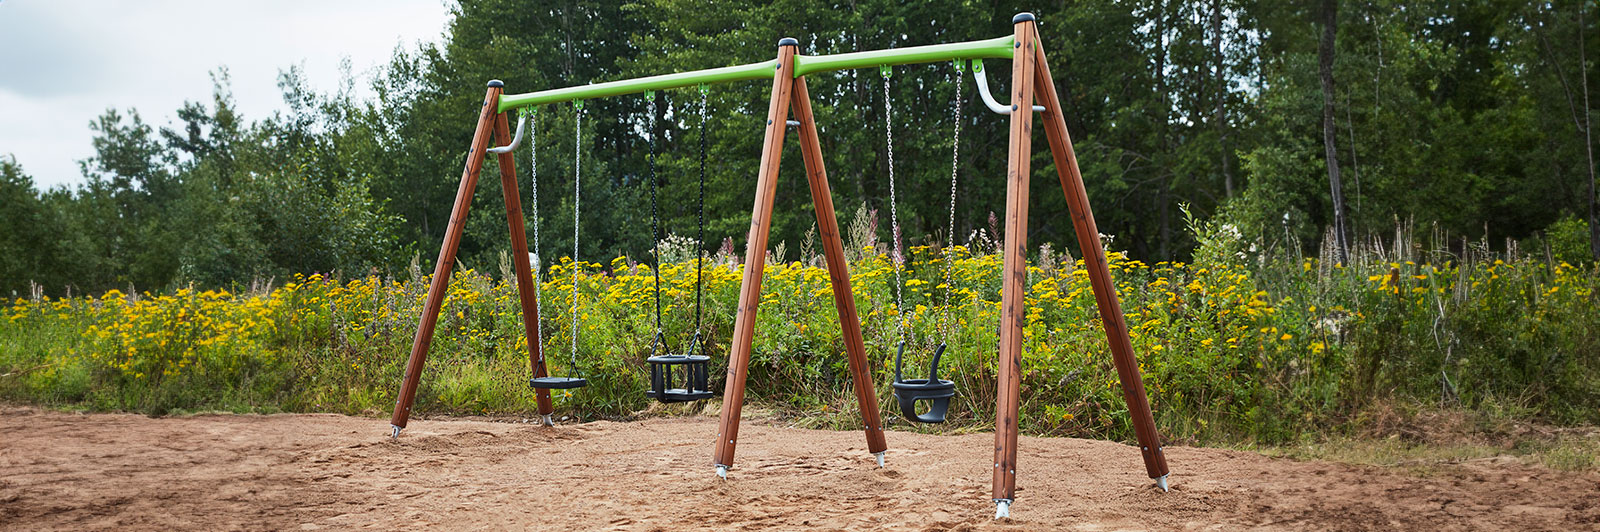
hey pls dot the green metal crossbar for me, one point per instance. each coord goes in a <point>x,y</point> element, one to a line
<point>996,48</point>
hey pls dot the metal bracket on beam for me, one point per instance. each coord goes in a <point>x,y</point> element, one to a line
<point>522,123</point>
<point>988,99</point>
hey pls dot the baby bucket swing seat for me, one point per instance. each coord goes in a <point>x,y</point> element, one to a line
<point>933,390</point>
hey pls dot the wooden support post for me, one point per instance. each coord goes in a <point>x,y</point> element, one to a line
<point>526,290</point>
<point>838,269</point>
<point>1094,260</point>
<point>447,257</point>
<point>755,257</point>
<point>1014,271</point>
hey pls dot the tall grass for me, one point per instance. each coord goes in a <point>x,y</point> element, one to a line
<point>1241,343</point>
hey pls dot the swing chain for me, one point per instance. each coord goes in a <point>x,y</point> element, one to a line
<point>894,212</point>
<point>533,165</point>
<point>955,171</point>
<point>700,238</point>
<point>577,190</point>
<point>655,217</point>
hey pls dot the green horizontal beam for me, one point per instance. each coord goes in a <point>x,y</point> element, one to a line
<point>996,48</point>
<point>762,70</point>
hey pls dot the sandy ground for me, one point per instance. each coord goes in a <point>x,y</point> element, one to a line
<point>309,472</point>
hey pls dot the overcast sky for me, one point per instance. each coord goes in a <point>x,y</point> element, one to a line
<point>63,62</point>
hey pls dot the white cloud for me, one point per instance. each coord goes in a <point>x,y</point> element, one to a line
<point>62,63</point>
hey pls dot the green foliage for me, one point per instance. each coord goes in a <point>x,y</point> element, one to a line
<point>30,244</point>
<point>1463,115</point>
<point>1568,240</point>
<point>216,202</point>
<point>1458,115</point>
<point>1227,350</point>
<point>150,354</point>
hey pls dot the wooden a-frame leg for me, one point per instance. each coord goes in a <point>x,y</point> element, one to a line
<point>838,269</point>
<point>447,258</point>
<point>1094,260</point>
<point>755,260</point>
<point>526,290</point>
<point>1015,268</point>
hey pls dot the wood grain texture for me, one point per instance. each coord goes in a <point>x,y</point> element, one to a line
<point>447,258</point>
<point>1014,271</point>
<point>1094,260</point>
<point>838,269</point>
<point>755,259</point>
<point>527,295</point>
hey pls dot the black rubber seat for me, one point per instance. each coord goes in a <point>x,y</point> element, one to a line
<point>557,383</point>
<point>932,389</point>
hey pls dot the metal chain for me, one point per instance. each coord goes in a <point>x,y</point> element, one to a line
<point>655,215</point>
<point>894,212</point>
<point>577,194</point>
<point>955,171</point>
<point>700,238</point>
<point>538,269</point>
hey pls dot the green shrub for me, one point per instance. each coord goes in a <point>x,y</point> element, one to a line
<point>1235,345</point>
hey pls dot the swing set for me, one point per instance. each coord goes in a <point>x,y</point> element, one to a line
<point>1031,85</point>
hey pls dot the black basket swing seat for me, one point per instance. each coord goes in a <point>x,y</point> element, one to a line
<point>937,392</point>
<point>693,383</point>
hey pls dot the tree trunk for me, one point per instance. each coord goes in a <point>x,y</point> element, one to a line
<point>1588,140</point>
<point>1330,24</point>
<point>1221,116</point>
<point>1164,194</point>
<point>566,35</point>
<point>1580,117</point>
<point>860,92</point>
<point>1355,166</point>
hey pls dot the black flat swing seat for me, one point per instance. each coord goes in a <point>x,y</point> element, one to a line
<point>695,378</point>
<point>932,389</point>
<point>557,383</point>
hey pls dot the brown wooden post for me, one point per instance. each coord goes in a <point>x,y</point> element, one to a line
<point>1094,260</point>
<point>838,269</point>
<point>755,256</point>
<point>1015,265</point>
<point>447,257</point>
<point>519,259</point>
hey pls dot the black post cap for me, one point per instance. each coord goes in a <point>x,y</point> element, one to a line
<point>496,83</point>
<point>788,41</point>
<point>1023,17</point>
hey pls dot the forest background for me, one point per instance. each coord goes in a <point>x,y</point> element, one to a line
<point>1469,116</point>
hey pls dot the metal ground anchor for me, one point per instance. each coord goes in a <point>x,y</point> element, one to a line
<point>1002,508</point>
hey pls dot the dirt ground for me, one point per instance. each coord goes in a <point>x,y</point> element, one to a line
<point>310,472</point>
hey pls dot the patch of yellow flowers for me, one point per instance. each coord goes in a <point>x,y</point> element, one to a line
<point>1208,337</point>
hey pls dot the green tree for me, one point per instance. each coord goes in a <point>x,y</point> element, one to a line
<point>30,252</point>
